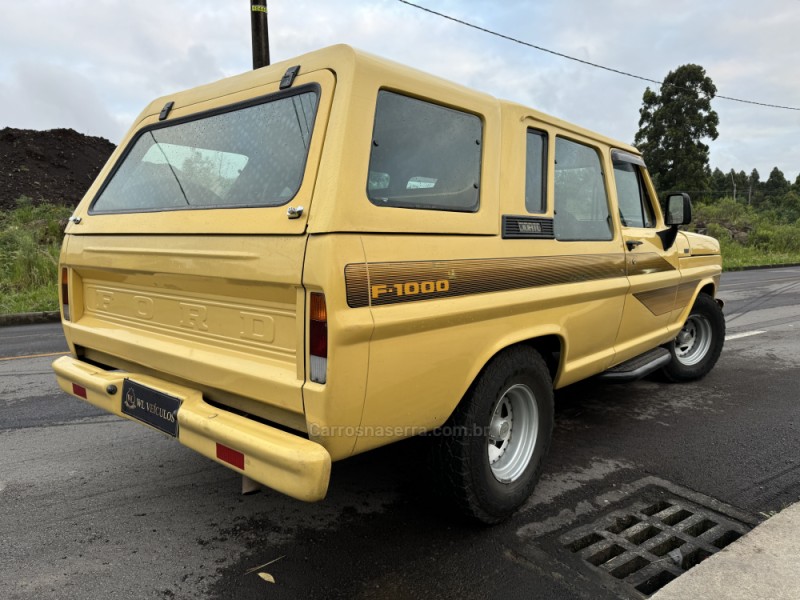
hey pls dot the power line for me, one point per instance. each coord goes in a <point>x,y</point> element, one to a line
<point>579,60</point>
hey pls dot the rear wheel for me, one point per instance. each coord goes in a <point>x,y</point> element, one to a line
<point>490,453</point>
<point>698,345</point>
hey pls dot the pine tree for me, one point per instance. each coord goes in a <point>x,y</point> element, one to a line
<point>776,185</point>
<point>720,183</point>
<point>672,125</point>
<point>754,192</point>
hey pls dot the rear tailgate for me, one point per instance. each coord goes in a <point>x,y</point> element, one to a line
<point>224,313</point>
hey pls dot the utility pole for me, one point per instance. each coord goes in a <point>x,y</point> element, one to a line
<point>733,181</point>
<point>260,33</point>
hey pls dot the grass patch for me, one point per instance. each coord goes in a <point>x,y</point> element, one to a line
<point>749,237</point>
<point>30,242</point>
<point>736,257</point>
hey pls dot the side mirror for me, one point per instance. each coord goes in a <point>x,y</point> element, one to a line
<point>679,210</point>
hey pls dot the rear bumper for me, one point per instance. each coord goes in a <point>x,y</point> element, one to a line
<point>284,462</point>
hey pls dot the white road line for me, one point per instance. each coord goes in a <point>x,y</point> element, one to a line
<point>744,334</point>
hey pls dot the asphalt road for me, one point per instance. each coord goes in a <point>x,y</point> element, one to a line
<point>92,506</point>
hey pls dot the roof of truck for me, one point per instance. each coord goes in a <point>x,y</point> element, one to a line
<point>343,60</point>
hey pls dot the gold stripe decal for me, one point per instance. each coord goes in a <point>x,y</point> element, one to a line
<point>357,284</point>
<point>666,299</point>
<point>686,293</point>
<point>660,301</point>
<point>394,282</point>
<point>646,263</point>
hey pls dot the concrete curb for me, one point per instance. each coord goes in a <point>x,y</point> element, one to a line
<point>30,318</point>
<point>762,565</point>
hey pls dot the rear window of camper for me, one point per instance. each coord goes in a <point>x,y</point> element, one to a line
<point>250,156</point>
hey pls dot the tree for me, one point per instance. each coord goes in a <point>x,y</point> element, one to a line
<point>720,183</point>
<point>672,125</point>
<point>754,193</point>
<point>742,184</point>
<point>776,185</point>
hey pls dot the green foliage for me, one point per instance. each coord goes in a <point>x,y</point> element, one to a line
<point>719,181</point>
<point>749,236</point>
<point>774,194</point>
<point>30,242</point>
<point>672,125</point>
<point>776,184</point>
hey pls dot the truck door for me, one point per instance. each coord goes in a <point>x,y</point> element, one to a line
<point>652,270</point>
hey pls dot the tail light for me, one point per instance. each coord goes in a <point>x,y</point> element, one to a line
<point>318,337</point>
<point>65,293</point>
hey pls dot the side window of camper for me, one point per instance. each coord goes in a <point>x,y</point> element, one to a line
<point>581,203</point>
<point>536,171</point>
<point>424,156</point>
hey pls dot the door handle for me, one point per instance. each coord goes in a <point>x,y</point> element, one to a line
<point>632,244</point>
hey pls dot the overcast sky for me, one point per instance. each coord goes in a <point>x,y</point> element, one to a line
<point>94,64</point>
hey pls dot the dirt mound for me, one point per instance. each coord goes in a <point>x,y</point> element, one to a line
<point>56,166</point>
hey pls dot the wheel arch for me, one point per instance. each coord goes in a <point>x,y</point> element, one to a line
<point>708,286</point>
<point>549,345</point>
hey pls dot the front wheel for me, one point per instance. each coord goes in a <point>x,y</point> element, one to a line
<point>489,454</point>
<point>698,345</point>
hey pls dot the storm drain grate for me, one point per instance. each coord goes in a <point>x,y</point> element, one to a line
<point>650,543</point>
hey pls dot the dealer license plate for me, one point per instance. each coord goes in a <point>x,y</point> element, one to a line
<point>150,406</point>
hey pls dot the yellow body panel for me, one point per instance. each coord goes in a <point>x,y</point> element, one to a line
<point>212,305</point>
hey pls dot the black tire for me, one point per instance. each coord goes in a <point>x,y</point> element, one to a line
<point>696,349</point>
<point>514,392</point>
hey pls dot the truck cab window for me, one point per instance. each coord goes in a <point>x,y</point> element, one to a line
<point>635,209</point>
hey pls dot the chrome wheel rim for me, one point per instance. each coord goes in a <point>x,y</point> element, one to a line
<point>513,429</point>
<point>693,341</point>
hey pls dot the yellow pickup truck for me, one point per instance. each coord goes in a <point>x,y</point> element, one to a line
<point>313,259</point>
